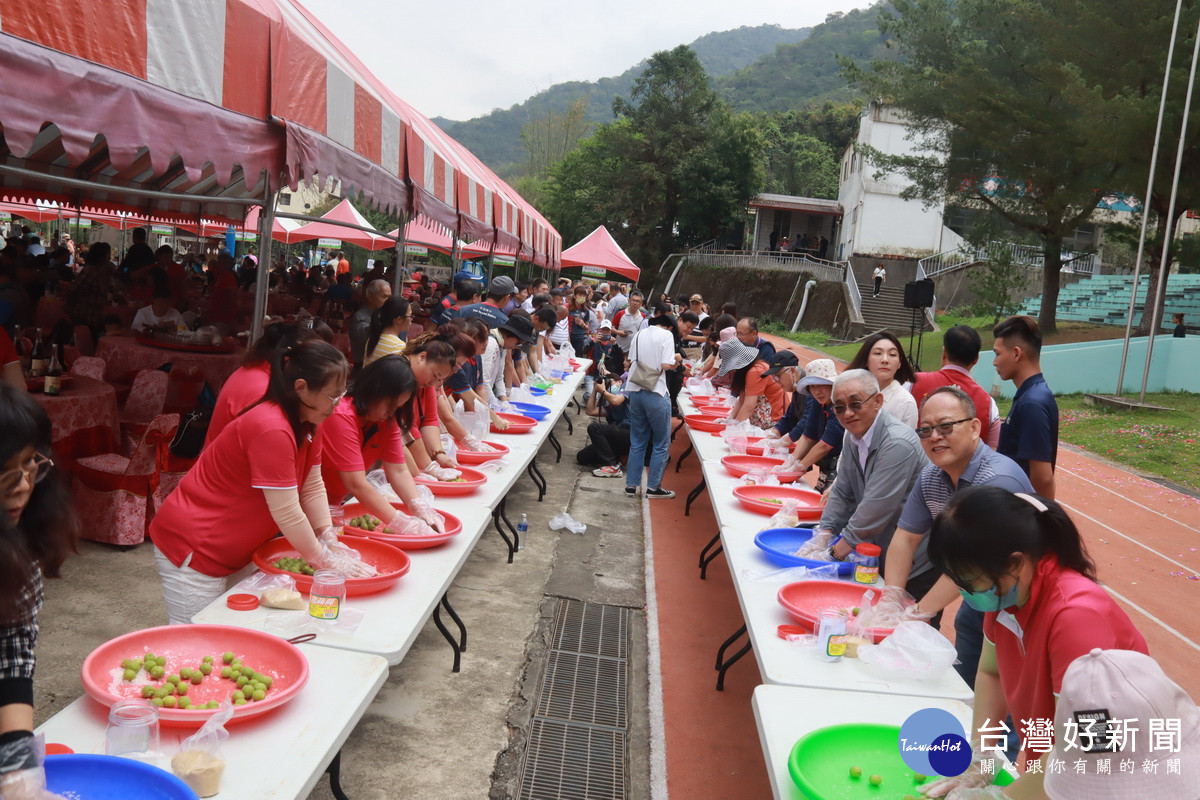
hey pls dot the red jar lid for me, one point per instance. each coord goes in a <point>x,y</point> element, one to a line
<point>54,749</point>
<point>868,549</point>
<point>248,602</point>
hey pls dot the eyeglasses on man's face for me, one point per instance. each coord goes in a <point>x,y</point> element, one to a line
<point>855,405</point>
<point>943,428</point>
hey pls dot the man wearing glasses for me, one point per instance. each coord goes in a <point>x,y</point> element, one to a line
<point>950,434</point>
<point>881,459</point>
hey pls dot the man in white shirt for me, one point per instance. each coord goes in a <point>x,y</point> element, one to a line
<point>629,321</point>
<point>537,286</point>
<point>650,409</point>
<point>561,334</point>
<point>160,315</point>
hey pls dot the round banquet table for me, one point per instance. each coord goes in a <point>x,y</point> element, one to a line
<point>123,354</point>
<point>83,420</point>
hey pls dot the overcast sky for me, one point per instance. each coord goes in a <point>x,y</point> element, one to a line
<point>462,58</point>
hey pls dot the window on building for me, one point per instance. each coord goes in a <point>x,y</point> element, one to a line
<point>285,198</point>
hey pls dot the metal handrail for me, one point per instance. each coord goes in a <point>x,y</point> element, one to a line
<point>855,294</point>
<point>1026,255</point>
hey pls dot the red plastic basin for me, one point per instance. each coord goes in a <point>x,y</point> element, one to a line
<point>804,600</point>
<point>704,422</point>
<point>453,528</point>
<point>737,466</point>
<point>517,423</point>
<point>756,499</point>
<point>390,561</point>
<point>185,646</point>
<point>754,445</point>
<point>465,456</point>
<point>472,480</point>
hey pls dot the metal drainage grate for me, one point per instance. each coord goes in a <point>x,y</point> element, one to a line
<point>577,739</point>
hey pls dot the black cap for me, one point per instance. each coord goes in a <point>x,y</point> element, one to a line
<point>519,327</point>
<point>782,360</point>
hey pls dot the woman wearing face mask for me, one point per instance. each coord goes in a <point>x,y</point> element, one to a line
<point>883,356</point>
<point>37,530</point>
<point>365,428</point>
<point>434,356</point>
<point>1020,560</point>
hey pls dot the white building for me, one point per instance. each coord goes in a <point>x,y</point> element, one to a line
<point>877,221</point>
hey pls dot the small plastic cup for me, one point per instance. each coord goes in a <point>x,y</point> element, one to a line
<point>132,728</point>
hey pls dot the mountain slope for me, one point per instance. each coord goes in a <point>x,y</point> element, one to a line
<point>496,137</point>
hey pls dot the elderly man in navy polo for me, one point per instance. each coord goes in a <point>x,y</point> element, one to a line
<point>949,431</point>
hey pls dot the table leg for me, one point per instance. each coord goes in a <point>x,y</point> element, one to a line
<point>723,665</point>
<point>512,548</point>
<point>462,638</point>
<point>691,498</point>
<point>683,455</point>
<point>539,480</point>
<point>557,447</point>
<point>706,557</point>
<point>516,534</point>
<point>676,429</point>
<point>335,777</point>
<point>453,640</point>
<point>578,407</point>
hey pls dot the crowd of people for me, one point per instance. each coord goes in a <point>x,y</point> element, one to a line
<point>959,502</point>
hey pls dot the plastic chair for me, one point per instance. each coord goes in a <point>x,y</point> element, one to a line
<point>84,341</point>
<point>113,492</point>
<point>146,401</point>
<point>89,367</point>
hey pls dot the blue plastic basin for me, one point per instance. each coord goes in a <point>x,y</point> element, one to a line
<point>779,543</point>
<point>89,777</point>
<point>532,410</point>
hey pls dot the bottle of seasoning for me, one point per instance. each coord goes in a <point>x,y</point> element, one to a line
<point>39,359</point>
<point>866,562</point>
<point>327,595</point>
<point>54,372</point>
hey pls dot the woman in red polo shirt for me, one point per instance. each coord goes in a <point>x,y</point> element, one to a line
<point>365,428</point>
<point>248,383</point>
<point>261,475</point>
<point>1020,560</point>
<point>433,357</point>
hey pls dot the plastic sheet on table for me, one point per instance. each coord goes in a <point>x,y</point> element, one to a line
<point>792,574</point>
<point>289,624</point>
<point>914,650</point>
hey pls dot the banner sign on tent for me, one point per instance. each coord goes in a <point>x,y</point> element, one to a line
<point>81,223</point>
<point>416,250</point>
<point>162,230</point>
<point>246,236</point>
<point>5,216</point>
<point>598,272</point>
<point>335,243</point>
<point>503,261</point>
<point>436,273</point>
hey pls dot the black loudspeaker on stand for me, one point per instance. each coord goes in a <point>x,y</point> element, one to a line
<point>918,295</point>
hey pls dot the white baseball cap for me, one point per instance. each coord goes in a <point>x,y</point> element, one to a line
<point>1122,685</point>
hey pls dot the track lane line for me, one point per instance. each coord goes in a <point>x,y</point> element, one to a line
<point>1074,510</point>
<point>1124,498</point>
<point>1152,618</point>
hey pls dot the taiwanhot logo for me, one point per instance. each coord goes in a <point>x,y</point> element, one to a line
<point>933,742</point>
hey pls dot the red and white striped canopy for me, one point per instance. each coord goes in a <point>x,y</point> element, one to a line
<point>228,98</point>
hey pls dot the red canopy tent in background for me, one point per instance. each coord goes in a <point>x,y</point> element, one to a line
<point>599,249</point>
<point>343,212</point>
<point>262,95</point>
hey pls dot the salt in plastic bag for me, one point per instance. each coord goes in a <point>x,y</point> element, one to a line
<point>914,650</point>
<point>786,516</point>
<point>198,762</point>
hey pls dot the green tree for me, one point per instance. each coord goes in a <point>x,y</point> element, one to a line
<point>996,285</point>
<point>675,168</point>
<point>1020,106</point>
<point>798,164</point>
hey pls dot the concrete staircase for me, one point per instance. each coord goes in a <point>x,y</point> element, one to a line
<point>887,311</point>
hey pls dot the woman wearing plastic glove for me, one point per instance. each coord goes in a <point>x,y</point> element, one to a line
<point>37,531</point>
<point>467,385</point>
<point>261,475</point>
<point>1019,559</point>
<point>366,427</point>
<point>759,398</point>
<point>433,357</point>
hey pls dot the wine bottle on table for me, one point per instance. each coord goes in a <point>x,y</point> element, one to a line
<point>39,359</point>
<point>22,354</point>
<point>54,372</point>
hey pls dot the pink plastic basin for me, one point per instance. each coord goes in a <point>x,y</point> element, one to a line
<point>472,480</point>
<point>737,466</point>
<point>453,528</point>
<point>390,561</point>
<point>757,499</point>
<point>804,600</point>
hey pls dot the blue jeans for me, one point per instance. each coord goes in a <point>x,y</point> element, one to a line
<point>649,421</point>
<point>968,641</point>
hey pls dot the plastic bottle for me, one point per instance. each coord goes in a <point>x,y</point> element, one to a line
<point>327,595</point>
<point>522,531</point>
<point>866,562</point>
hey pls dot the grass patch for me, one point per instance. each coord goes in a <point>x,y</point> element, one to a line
<point>1162,443</point>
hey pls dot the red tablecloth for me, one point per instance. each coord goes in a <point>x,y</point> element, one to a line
<point>84,419</point>
<point>123,354</point>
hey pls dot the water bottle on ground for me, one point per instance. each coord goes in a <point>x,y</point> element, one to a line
<point>522,531</point>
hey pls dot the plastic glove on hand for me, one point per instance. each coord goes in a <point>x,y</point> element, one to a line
<point>500,424</point>
<point>957,786</point>
<point>344,560</point>
<point>329,537</point>
<point>440,473</point>
<point>22,776</point>
<point>422,509</point>
<point>404,525</point>
<point>472,442</point>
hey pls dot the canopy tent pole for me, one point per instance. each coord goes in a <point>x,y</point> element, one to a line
<point>1137,262</point>
<point>491,259</point>
<point>266,222</point>
<point>401,254</point>
<point>1168,233</point>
